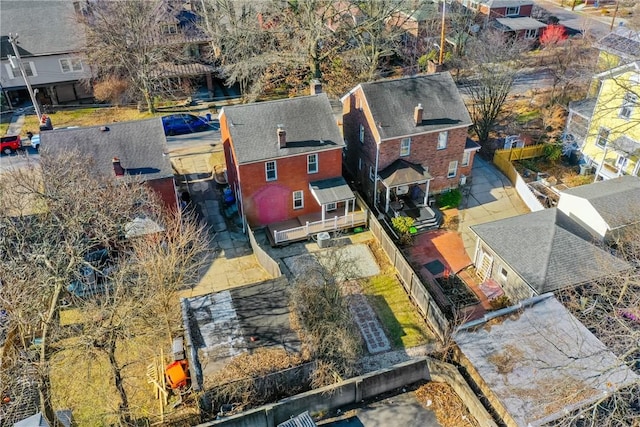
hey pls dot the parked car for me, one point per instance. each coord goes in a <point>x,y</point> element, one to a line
<point>184,123</point>
<point>10,144</point>
<point>35,142</point>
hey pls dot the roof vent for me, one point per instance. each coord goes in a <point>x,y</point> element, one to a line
<point>104,129</point>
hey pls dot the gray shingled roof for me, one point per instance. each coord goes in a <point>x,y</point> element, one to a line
<point>584,107</point>
<point>401,172</point>
<point>539,247</point>
<point>616,200</point>
<point>625,44</point>
<point>44,27</point>
<point>139,145</point>
<point>392,104</point>
<point>331,190</point>
<point>308,121</point>
<point>522,23</point>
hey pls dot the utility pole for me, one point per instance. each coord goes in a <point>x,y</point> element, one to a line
<point>615,12</point>
<point>13,39</point>
<point>441,59</point>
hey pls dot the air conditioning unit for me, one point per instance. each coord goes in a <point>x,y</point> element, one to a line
<point>323,239</point>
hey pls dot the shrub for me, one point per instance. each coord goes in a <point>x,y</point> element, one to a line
<point>450,199</point>
<point>403,225</point>
<point>553,152</point>
<point>500,302</point>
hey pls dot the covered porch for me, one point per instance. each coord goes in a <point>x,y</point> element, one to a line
<point>406,193</point>
<point>338,211</point>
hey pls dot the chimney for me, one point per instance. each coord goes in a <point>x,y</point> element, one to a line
<point>282,137</point>
<point>417,114</point>
<point>117,167</point>
<point>316,87</point>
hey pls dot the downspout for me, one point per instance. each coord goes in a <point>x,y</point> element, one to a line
<point>375,178</point>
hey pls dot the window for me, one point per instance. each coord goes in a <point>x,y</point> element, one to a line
<point>622,162</point>
<point>29,68</point>
<point>372,175</point>
<point>361,134</point>
<point>629,102</point>
<point>331,207</point>
<point>512,11</point>
<point>312,163</point>
<point>298,199</point>
<point>405,147</point>
<point>466,157</point>
<point>453,169</point>
<point>531,34</point>
<point>70,65</point>
<point>442,140</point>
<point>503,273</point>
<point>271,171</point>
<point>169,29</point>
<point>359,164</point>
<point>603,136</point>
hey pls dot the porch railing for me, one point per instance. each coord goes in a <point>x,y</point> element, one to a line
<point>331,224</point>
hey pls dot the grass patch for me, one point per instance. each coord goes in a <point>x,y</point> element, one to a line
<point>3,128</point>
<point>450,199</point>
<point>86,117</point>
<point>527,116</point>
<point>402,323</point>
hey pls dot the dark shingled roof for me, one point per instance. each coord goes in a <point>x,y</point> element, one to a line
<point>616,200</point>
<point>470,144</point>
<point>331,190</point>
<point>540,247</point>
<point>401,172</point>
<point>44,27</point>
<point>393,102</point>
<point>584,107</point>
<point>308,121</point>
<point>626,45</point>
<point>139,145</point>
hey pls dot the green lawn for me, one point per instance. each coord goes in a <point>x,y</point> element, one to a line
<point>85,117</point>
<point>401,321</point>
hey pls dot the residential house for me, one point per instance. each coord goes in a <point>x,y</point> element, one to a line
<point>539,252</point>
<point>611,143</point>
<point>284,165</point>
<point>49,43</point>
<point>536,363</point>
<point>523,27</point>
<point>406,139</point>
<point>605,208</point>
<point>419,28</point>
<point>500,8</point>
<point>132,151</point>
<point>617,48</point>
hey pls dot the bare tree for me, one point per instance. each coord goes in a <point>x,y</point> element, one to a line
<point>494,58</point>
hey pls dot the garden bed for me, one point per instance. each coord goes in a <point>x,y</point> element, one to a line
<point>457,292</point>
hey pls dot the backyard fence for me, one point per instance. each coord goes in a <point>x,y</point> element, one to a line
<point>268,263</point>
<point>411,282</point>
<point>503,158</point>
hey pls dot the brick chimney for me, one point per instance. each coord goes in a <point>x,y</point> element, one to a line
<point>417,114</point>
<point>117,167</point>
<point>315,87</point>
<point>282,137</point>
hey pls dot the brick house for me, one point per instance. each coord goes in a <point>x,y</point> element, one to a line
<point>284,164</point>
<point>406,138</point>
<point>500,8</point>
<point>132,151</point>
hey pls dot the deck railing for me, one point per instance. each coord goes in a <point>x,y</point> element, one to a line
<point>353,219</point>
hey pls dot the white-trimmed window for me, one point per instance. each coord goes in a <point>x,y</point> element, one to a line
<point>298,199</point>
<point>603,137</point>
<point>29,68</point>
<point>628,104</point>
<point>442,140</point>
<point>271,171</point>
<point>372,174</point>
<point>453,169</point>
<point>359,164</point>
<point>466,158</point>
<point>531,33</point>
<point>169,29</point>
<point>331,207</point>
<point>622,162</point>
<point>503,273</point>
<point>405,147</point>
<point>70,65</point>
<point>512,11</point>
<point>312,163</point>
<point>361,134</point>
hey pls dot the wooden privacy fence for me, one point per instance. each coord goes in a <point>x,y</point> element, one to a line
<point>411,282</point>
<point>503,158</point>
<point>268,263</point>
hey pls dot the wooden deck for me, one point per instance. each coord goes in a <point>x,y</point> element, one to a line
<point>307,225</point>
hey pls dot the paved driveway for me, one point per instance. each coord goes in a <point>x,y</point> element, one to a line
<point>492,197</point>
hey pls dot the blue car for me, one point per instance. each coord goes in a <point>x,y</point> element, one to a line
<point>176,124</point>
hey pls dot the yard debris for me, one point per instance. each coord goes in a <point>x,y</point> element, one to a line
<point>449,409</point>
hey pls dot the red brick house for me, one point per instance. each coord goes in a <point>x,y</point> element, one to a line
<point>132,151</point>
<point>406,139</point>
<point>500,8</point>
<point>284,164</point>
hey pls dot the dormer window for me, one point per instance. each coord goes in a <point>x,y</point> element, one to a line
<point>512,11</point>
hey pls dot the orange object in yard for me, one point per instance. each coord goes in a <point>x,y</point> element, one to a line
<point>177,374</point>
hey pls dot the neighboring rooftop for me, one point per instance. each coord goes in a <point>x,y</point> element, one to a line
<point>506,3</point>
<point>33,22</point>
<point>519,24</point>
<point>540,362</point>
<point>623,42</point>
<point>584,107</point>
<point>139,145</point>
<point>616,200</point>
<point>392,104</point>
<point>308,121</point>
<point>544,249</point>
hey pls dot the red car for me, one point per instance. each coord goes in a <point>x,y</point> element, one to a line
<point>9,144</point>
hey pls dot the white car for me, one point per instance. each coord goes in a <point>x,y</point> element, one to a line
<point>35,142</point>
